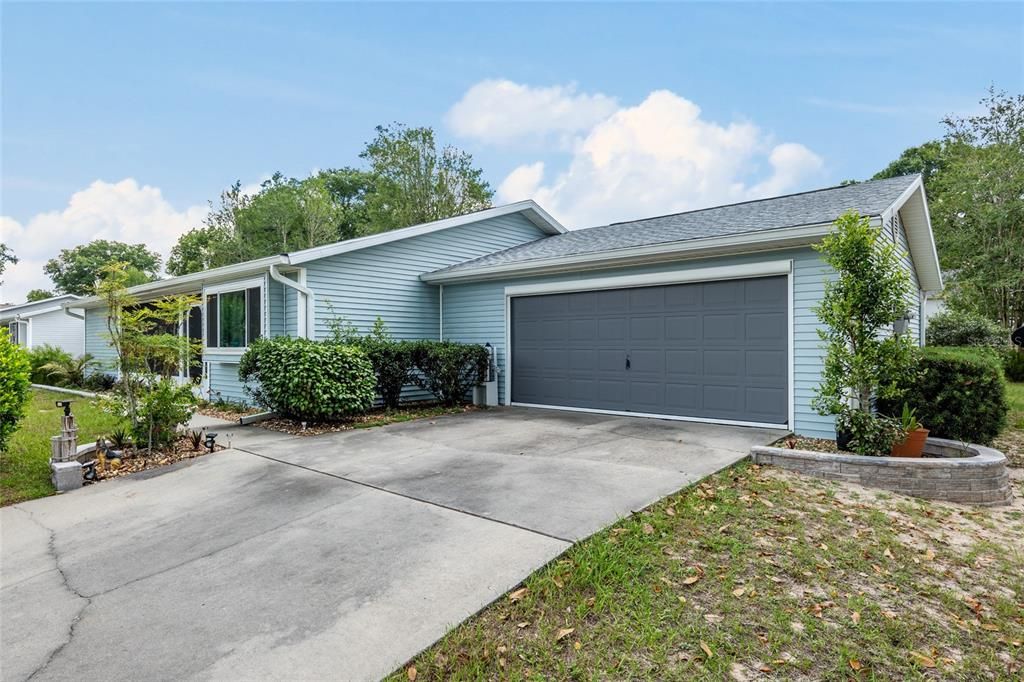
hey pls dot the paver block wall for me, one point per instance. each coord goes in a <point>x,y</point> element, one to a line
<point>951,471</point>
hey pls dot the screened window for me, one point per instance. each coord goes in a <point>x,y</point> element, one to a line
<point>235,318</point>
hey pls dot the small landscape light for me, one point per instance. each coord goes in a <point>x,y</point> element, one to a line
<point>210,438</point>
<point>66,404</point>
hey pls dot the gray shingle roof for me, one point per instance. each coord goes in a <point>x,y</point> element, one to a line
<point>807,208</point>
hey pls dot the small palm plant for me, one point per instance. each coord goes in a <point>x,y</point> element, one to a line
<point>69,371</point>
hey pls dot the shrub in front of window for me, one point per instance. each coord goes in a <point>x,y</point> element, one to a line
<point>955,328</point>
<point>392,362</point>
<point>15,386</point>
<point>448,369</point>
<point>960,395</point>
<point>43,355</point>
<point>865,359</point>
<point>308,380</point>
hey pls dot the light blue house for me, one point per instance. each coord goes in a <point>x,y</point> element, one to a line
<point>705,315</point>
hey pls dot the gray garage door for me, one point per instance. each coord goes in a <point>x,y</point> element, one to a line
<point>715,350</point>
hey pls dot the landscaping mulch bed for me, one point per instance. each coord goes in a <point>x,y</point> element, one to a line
<point>227,414</point>
<point>135,461</point>
<point>378,417</point>
<point>759,573</point>
<point>812,444</point>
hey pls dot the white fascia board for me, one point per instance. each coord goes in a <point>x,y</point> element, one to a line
<point>691,248</point>
<point>12,311</point>
<point>192,282</point>
<point>762,269</point>
<point>533,212</point>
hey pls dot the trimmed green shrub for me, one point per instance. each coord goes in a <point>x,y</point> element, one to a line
<point>960,395</point>
<point>954,328</point>
<point>448,369</point>
<point>873,434</point>
<point>161,410</point>
<point>391,360</point>
<point>41,356</point>
<point>1013,365</point>
<point>15,386</point>
<point>308,380</point>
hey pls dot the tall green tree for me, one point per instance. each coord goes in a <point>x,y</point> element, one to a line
<point>38,295</point>
<point>76,271</point>
<point>928,159</point>
<point>979,211</point>
<point>408,181</point>
<point>416,182</point>
<point>7,257</point>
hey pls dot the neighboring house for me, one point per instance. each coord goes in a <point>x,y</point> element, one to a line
<point>56,321</point>
<point>704,315</point>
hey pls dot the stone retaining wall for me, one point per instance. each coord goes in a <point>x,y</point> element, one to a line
<point>952,471</point>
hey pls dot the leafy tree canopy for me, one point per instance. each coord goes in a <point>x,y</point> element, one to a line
<point>76,271</point>
<point>974,178</point>
<point>38,295</point>
<point>7,257</point>
<point>408,181</point>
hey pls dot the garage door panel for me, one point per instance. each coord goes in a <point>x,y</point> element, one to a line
<point>722,327</point>
<point>682,362</point>
<point>716,350</point>
<point>723,363</point>
<point>766,364</point>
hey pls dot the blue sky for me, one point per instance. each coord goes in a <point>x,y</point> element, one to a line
<point>167,104</point>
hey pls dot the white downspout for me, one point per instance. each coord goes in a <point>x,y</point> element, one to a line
<point>67,311</point>
<point>440,314</point>
<point>306,322</point>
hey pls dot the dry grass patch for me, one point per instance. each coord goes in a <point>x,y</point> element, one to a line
<point>761,574</point>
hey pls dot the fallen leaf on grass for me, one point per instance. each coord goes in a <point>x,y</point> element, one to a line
<point>563,633</point>
<point>671,511</point>
<point>411,673</point>
<point>739,592</point>
<point>855,664</point>
<point>689,580</point>
<point>855,617</point>
<point>991,627</point>
<point>518,594</point>
<point>682,599</point>
<point>922,660</point>
<point>648,529</point>
<point>577,645</point>
<point>713,618</point>
<point>891,615</point>
<point>522,625</point>
<point>706,649</point>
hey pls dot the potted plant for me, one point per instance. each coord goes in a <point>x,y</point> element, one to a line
<point>916,435</point>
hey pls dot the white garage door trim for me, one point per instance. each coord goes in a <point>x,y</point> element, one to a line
<point>746,271</point>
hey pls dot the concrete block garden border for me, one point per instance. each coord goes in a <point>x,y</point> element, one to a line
<point>950,471</point>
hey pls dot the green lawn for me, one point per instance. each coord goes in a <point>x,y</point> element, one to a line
<point>758,572</point>
<point>25,466</point>
<point>1011,441</point>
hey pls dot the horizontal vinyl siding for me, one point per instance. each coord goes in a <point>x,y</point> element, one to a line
<point>224,383</point>
<point>914,299</point>
<point>475,313</point>
<point>384,280</point>
<point>58,329</point>
<point>96,340</point>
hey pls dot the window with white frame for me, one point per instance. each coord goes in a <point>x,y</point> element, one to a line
<point>18,332</point>
<point>234,316</point>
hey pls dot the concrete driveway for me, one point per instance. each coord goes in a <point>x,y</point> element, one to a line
<point>332,557</point>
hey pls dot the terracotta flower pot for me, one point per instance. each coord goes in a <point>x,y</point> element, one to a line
<point>912,446</point>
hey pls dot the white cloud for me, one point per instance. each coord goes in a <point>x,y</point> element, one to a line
<point>503,112</point>
<point>659,156</point>
<point>123,211</point>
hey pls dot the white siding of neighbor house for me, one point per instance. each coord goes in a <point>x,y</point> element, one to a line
<point>58,329</point>
<point>97,343</point>
<point>475,313</point>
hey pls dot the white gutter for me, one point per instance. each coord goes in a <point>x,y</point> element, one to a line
<point>306,315</point>
<point>67,311</point>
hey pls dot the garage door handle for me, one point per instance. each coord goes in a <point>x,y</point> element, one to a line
<point>627,362</point>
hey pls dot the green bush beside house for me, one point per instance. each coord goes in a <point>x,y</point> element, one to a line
<point>15,386</point>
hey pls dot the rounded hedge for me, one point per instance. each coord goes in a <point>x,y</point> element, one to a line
<point>954,328</point>
<point>308,380</point>
<point>15,386</point>
<point>960,394</point>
